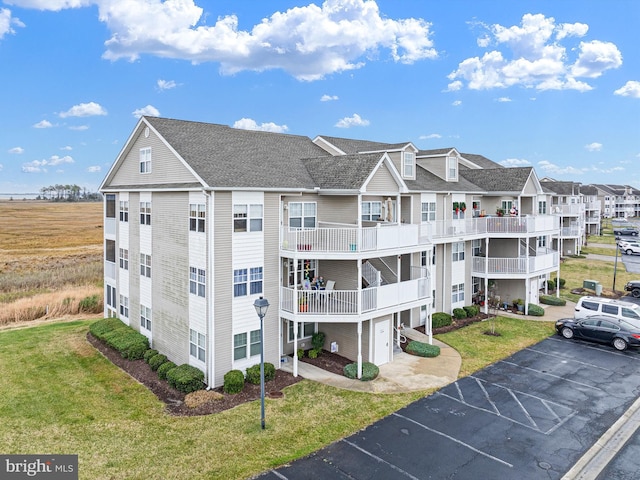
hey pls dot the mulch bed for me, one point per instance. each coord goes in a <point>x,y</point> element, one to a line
<point>456,324</point>
<point>174,399</point>
<point>330,362</point>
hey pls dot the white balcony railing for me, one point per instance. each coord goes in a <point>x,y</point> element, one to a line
<point>353,302</point>
<point>515,266</point>
<point>568,208</point>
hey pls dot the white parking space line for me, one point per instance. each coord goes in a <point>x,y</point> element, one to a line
<point>525,411</point>
<point>570,359</point>
<point>487,396</point>
<point>455,440</point>
<point>552,375</point>
<point>600,349</point>
<point>381,460</point>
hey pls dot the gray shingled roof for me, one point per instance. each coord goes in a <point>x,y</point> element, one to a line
<point>427,181</point>
<point>562,188</point>
<point>344,172</point>
<point>499,179</point>
<point>480,160</point>
<point>350,146</point>
<point>434,152</point>
<point>226,157</point>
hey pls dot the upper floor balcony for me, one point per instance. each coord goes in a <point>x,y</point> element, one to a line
<point>523,266</point>
<point>381,236</point>
<point>568,209</point>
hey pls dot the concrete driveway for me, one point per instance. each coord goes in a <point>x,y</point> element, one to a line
<point>530,416</point>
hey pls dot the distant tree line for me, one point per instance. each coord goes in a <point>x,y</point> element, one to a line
<point>68,193</point>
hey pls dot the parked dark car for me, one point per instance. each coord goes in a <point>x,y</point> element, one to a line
<point>607,330</point>
<point>625,231</point>
<point>634,287</point>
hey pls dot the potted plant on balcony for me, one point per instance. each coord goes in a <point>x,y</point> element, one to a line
<point>500,211</point>
<point>456,207</point>
<point>302,304</point>
<point>463,206</point>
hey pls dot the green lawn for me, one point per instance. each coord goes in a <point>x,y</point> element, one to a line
<point>59,395</point>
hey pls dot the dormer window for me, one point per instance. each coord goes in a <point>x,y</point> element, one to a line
<point>452,168</point>
<point>408,164</point>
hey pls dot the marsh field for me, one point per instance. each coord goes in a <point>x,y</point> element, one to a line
<point>50,260</point>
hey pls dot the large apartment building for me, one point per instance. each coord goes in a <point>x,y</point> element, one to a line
<point>203,219</point>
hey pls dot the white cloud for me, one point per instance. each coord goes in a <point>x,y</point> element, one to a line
<point>43,124</point>
<point>84,110</point>
<point>430,136</point>
<point>68,148</point>
<point>503,99</point>
<point>328,98</point>
<point>1,167</point>
<point>7,22</point>
<point>552,168</point>
<point>16,150</point>
<point>630,89</point>
<point>79,128</point>
<point>166,84</point>
<point>454,86</point>
<point>593,147</point>
<point>515,162</point>
<point>457,103</point>
<point>94,169</point>
<point>250,124</point>
<point>354,121</point>
<point>40,166</point>
<point>53,5</point>
<point>149,111</point>
<point>533,57</point>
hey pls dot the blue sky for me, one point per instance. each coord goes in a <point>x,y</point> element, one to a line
<point>550,84</point>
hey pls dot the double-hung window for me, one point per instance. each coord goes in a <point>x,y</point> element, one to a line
<point>145,213</point>
<point>476,247</point>
<point>197,281</point>
<point>145,317</point>
<point>111,296</point>
<point>240,348</point>
<point>255,280</point>
<point>124,259</point>
<point>457,293</point>
<point>110,251</point>
<point>409,160</point>
<point>145,160</point>
<point>110,207</point>
<point>196,217</point>
<point>145,265</point>
<point>240,282</point>
<point>124,306</point>
<point>428,211</point>
<point>124,210</point>
<point>305,330</point>
<point>542,207</point>
<point>302,214</point>
<point>247,218</point>
<point>452,168</point>
<point>371,211</point>
<point>197,345</point>
<point>457,252</point>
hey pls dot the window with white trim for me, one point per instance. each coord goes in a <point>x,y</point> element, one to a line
<point>196,217</point>
<point>452,168</point>
<point>542,207</point>
<point>241,349</point>
<point>110,251</point>
<point>197,345</point>
<point>254,343</point>
<point>302,214</point>
<point>124,259</point>
<point>145,213</point>
<point>506,205</point>
<point>110,205</point>
<point>255,280</point>
<point>145,317</point>
<point>457,293</point>
<point>247,218</point>
<point>124,210</point>
<point>145,265</point>
<point>240,282</point>
<point>371,211</point>
<point>145,160</point>
<point>542,242</point>
<point>305,330</point>
<point>306,270</point>
<point>111,297</point>
<point>423,258</point>
<point>408,163</point>
<point>124,306</point>
<point>428,211</point>
<point>197,281</point>
<point>457,252</point>
<point>476,247</point>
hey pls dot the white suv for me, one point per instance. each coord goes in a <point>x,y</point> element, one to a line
<point>590,306</point>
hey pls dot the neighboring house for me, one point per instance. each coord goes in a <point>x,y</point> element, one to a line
<point>567,202</point>
<point>618,201</point>
<point>203,219</point>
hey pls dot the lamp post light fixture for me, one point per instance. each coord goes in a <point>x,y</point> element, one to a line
<point>261,305</point>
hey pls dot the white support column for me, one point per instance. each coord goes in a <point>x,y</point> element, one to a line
<point>295,348</point>
<point>360,349</point>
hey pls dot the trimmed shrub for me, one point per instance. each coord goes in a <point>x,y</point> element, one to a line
<point>317,342</point>
<point>459,313</point>
<point>101,327</point>
<point>535,310</point>
<point>440,319</point>
<point>187,378</point>
<point>369,371</point>
<point>157,360</point>
<point>233,381</point>
<point>136,350</point>
<point>164,369</point>
<point>551,284</point>
<point>562,282</point>
<point>423,349</point>
<point>472,310</point>
<point>152,352</point>
<point>131,344</point>
<point>551,300</point>
<point>253,373</point>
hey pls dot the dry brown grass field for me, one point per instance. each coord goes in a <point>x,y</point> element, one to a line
<point>50,259</point>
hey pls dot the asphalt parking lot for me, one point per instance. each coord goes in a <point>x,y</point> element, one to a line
<point>530,416</point>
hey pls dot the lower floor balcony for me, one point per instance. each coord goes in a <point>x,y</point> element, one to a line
<point>523,266</point>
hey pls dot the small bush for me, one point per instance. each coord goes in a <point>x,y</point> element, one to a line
<point>535,310</point>
<point>253,373</point>
<point>136,350</point>
<point>101,327</point>
<point>459,313</point>
<point>131,344</point>
<point>314,353</point>
<point>561,282</point>
<point>423,349</point>
<point>150,353</point>
<point>317,341</point>
<point>186,378</point>
<point>440,319</point>
<point>157,360</point>
<point>551,284</point>
<point>551,300</point>
<point>300,353</point>
<point>369,371</point>
<point>164,369</point>
<point>472,310</point>
<point>233,382</point>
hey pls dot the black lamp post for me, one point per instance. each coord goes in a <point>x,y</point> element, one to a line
<point>261,305</point>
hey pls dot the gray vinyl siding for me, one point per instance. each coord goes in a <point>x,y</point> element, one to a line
<point>170,275</point>
<point>346,335</point>
<point>437,166</point>
<point>222,286</point>
<point>165,166</point>
<point>338,209</point>
<point>344,273</point>
<point>382,181</point>
<point>134,261</point>
<point>271,289</point>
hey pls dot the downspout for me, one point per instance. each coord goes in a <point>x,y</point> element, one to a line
<point>444,245</point>
<point>210,292</point>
